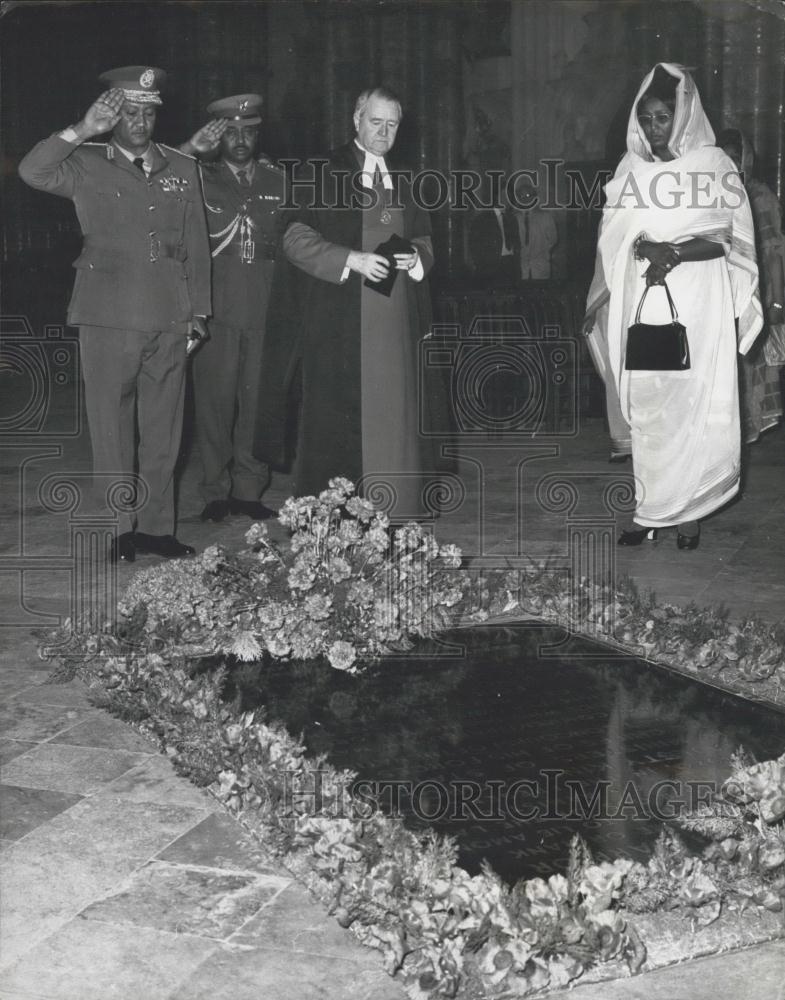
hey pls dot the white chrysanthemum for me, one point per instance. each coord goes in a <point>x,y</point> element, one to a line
<point>350,532</point>
<point>339,570</point>
<point>301,578</point>
<point>271,616</point>
<point>343,484</point>
<point>212,557</point>
<point>362,509</point>
<point>341,655</point>
<point>318,606</point>
<point>379,538</point>
<point>278,647</point>
<point>451,555</point>
<point>256,533</point>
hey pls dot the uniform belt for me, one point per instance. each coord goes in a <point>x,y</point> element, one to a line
<point>250,252</point>
<point>153,247</point>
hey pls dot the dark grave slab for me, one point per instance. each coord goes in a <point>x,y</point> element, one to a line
<point>511,749</point>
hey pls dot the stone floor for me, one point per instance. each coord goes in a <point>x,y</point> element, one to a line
<point>120,879</point>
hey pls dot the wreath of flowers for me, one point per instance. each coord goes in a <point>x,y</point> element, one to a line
<point>349,588</point>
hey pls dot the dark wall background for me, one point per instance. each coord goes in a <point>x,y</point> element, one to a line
<point>483,82</point>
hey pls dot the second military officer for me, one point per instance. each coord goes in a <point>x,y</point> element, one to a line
<point>242,196</point>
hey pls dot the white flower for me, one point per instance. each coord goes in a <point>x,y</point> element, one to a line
<point>451,597</point>
<point>278,647</point>
<point>318,606</point>
<point>329,500</point>
<point>301,578</point>
<point>271,616</point>
<point>350,532</point>
<point>362,509</point>
<point>245,647</point>
<point>378,538</point>
<point>341,483</point>
<point>339,570</point>
<point>212,557</point>
<point>360,592</point>
<point>451,555</point>
<point>341,655</point>
<point>256,533</point>
<point>408,536</point>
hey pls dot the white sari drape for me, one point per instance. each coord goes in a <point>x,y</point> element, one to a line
<point>684,426</point>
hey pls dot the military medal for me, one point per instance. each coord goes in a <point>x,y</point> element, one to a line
<point>172,185</point>
<point>386,218</point>
<point>248,251</point>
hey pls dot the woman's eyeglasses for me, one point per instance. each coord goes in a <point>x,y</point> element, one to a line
<point>646,121</point>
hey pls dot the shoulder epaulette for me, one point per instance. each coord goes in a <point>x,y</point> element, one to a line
<point>174,149</point>
<point>100,147</point>
<point>263,161</point>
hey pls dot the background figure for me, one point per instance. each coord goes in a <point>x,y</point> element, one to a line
<point>761,396</point>
<point>359,348</point>
<point>494,246</point>
<point>684,425</point>
<point>537,237</point>
<point>242,196</point>
<point>142,281</point>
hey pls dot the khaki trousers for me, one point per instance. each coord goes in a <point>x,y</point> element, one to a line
<point>134,391</point>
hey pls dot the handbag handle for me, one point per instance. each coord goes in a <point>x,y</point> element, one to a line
<point>674,314</point>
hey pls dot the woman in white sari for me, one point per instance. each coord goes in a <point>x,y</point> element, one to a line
<point>675,208</point>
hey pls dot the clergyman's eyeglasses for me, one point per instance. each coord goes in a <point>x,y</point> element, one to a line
<point>646,121</point>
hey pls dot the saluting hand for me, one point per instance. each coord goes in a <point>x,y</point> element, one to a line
<point>103,114</point>
<point>209,136</point>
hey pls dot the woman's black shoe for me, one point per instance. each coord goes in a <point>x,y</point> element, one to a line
<point>690,541</point>
<point>637,535</point>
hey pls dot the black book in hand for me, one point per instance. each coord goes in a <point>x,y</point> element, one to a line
<point>388,249</point>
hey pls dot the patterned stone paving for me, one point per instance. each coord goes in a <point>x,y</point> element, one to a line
<point>119,879</point>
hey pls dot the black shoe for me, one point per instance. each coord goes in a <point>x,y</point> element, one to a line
<point>690,541</point>
<point>162,545</point>
<point>617,458</point>
<point>215,510</point>
<point>123,548</point>
<point>637,535</point>
<point>251,508</point>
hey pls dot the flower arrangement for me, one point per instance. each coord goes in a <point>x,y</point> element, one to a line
<point>348,587</point>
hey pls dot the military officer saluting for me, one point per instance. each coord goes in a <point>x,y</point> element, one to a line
<point>242,197</point>
<point>142,286</point>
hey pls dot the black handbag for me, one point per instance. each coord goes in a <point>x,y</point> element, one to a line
<point>657,348</point>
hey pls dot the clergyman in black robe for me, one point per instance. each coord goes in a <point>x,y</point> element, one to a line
<point>364,404</point>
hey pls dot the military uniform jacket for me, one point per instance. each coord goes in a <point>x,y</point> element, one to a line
<point>244,237</point>
<point>145,263</point>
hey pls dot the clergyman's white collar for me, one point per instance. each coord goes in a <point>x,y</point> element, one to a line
<point>369,168</point>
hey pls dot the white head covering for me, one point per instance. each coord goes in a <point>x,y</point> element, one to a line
<point>691,128</point>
